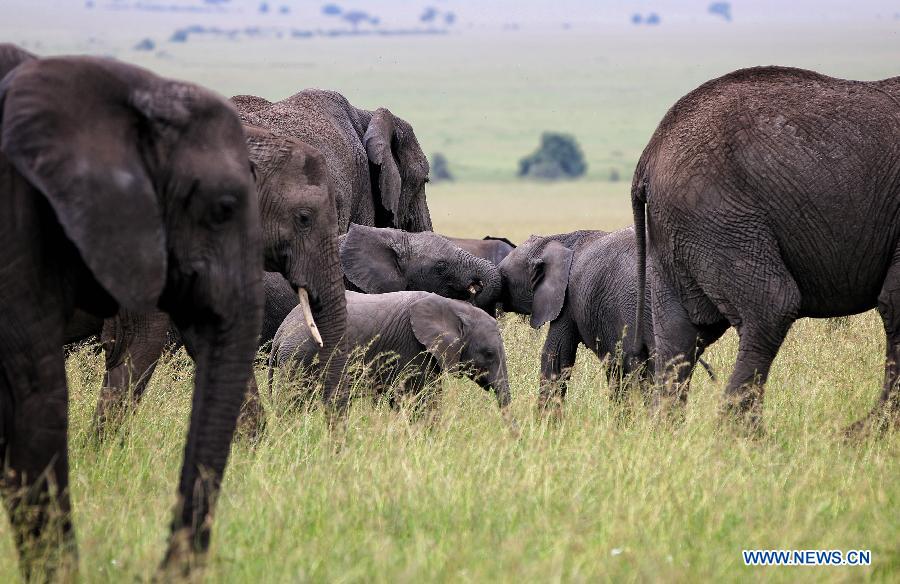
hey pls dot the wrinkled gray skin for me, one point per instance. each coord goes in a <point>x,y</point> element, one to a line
<point>300,242</point>
<point>378,260</point>
<point>583,283</point>
<point>770,194</point>
<point>427,333</point>
<point>376,164</point>
<point>97,159</point>
<point>492,249</point>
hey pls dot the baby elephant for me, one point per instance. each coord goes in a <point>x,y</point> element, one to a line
<point>415,334</point>
<point>584,284</point>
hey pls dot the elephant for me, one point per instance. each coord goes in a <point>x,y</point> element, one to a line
<point>764,196</point>
<point>119,189</point>
<point>583,283</point>
<point>376,164</point>
<point>414,334</point>
<point>378,260</point>
<point>492,249</point>
<point>11,56</point>
<point>300,242</point>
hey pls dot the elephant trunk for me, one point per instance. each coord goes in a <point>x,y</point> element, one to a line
<point>489,285</point>
<point>419,218</point>
<point>223,353</point>
<point>330,313</point>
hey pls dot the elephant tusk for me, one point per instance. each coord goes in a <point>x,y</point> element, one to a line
<point>308,317</point>
<point>473,290</point>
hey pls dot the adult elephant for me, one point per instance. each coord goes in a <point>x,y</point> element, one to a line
<point>300,243</point>
<point>376,164</point>
<point>770,194</point>
<point>99,159</point>
<point>380,260</point>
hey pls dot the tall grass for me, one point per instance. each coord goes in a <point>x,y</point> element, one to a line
<point>599,494</point>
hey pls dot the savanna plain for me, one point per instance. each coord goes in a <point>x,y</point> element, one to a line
<point>604,492</point>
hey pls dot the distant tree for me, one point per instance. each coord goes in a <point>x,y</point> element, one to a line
<point>652,19</point>
<point>614,175</point>
<point>355,17</point>
<point>331,9</point>
<point>145,45</point>
<point>429,14</point>
<point>722,9</point>
<point>558,157</point>
<point>440,169</point>
<point>636,18</point>
<point>264,7</point>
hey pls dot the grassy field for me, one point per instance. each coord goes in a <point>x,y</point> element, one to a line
<point>596,496</point>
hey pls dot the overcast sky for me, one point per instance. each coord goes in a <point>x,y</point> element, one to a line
<point>49,22</point>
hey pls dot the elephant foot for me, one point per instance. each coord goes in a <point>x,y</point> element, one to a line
<point>667,408</point>
<point>743,418</point>
<point>251,422</point>
<point>877,423</point>
<point>112,411</point>
<point>182,562</point>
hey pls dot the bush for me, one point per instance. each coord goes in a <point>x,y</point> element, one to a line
<point>558,157</point>
<point>440,168</point>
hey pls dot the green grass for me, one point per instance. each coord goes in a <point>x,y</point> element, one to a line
<point>596,496</point>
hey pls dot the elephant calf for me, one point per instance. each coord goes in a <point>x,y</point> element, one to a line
<point>583,283</point>
<point>423,332</point>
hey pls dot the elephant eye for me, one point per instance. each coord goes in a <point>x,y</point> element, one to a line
<point>441,266</point>
<point>304,219</point>
<point>223,210</point>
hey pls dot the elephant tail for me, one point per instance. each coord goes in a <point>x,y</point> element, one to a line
<point>638,207</point>
<point>270,374</point>
<point>709,370</point>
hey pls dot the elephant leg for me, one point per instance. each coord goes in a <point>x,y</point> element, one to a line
<point>678,343</point>
<point>557,360</point>
<point>34,408</point>
<point>133,344</point>
<point>252,420</point>
<point>887,410</point>
<point>763,310</point>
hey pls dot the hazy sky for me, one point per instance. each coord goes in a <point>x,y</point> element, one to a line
<point>49,25</point>
<point>80,13</point>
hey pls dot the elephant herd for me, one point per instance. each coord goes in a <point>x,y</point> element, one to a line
<point>151,213</point>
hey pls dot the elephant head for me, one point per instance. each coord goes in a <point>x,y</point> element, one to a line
<point>300,231</point>
<point>399,172</point>
<point>459,335</point>
<point>149,180</point>
<point>535,277</point>
<point>378,260</point>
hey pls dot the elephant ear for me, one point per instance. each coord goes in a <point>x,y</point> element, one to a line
<point>371,258</point>
<point>11,56</point>
<point>440,327</point>
<point>72,128</point>
<point>549,280</point>
<point>377,140</point>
